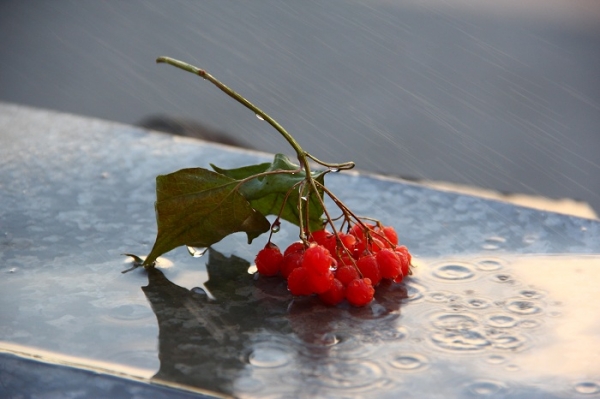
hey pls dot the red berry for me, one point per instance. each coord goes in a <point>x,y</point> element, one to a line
<point>360,292</point>
<point>298,282</point>
<point>358,231</point>
<point>335,294</point>
<point>390,233</point>
<point>321,237</point>
<point>389,263</point>
<point>345,260</point>
<point>376,244</point>
<point>346,273</point>
<point>369,268</point>
<point>290,262</point>
<point>402,249</point>
<point>317,259</point>
<point>294,247</point>
<point>268,260</point>
<point>359,248</point>
<point>405,259</point>
<point>348,241</point>
<point>319,282</point>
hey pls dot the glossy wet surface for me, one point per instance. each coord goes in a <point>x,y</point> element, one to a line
<point>502,302</point>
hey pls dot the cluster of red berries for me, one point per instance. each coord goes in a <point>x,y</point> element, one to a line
<point>337,267</point>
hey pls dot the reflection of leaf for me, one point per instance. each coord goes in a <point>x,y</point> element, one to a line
<point>197,207</point>
<point>201,341</point>
<point>204,343</point>
<point>267,194</point>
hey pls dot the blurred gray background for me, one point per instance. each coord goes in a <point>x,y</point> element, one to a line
<point>497,94</point>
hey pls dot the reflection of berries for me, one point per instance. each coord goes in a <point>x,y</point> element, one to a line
<point>335,294</point>
<point>348,266</point>
<point>298,282</point>
<point>268,260</point>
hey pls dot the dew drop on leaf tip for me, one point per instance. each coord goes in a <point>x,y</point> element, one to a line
<point>196,252</point>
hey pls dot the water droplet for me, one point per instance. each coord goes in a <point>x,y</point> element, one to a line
<point>304,199</point>
<point>129,312</point>
<point>458,332</point>
<point>340,345</point>
<point>334,170</point>
<point>348,375</point>
<point>555,314</point>
<point>437,297</point>
<point>392,333</point>
<point>204,292</point>
<point>478,303</point>
<point>512,367</point>
<point>12,270</point>
<point>260,117</point>
<point>486,388</point>
<point>460,340</point>
<point>488,265</point>
<point>162,263</point>
<point>252,269</point>
<point>523,307</point>
<point>414,292</point>
<point>500,321</point>
<point>532,294</point>
<point>530,239</point>
<point>503,278</point>
<point>493,243</point>
<point>196,252</point>
<point>587,388</point>
<point>199,291</point>
<point>328,339</point>
<point>508,342</point>
<point>454,271</point>
<point>276,226</point>
<point>529,323</point>
<point>496,359</point>
<point>266,356</point>
<point>409,362</point>
<point>450,321</point>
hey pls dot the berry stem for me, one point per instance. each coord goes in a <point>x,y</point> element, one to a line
<point>301,154</point>
<point>332,166</point>
<point>236,96</point>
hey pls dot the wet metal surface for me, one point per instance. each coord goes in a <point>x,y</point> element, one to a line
<point>502,302</point>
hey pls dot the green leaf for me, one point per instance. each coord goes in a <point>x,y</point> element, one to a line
<point>198,207</point>
<point>267,193</point>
